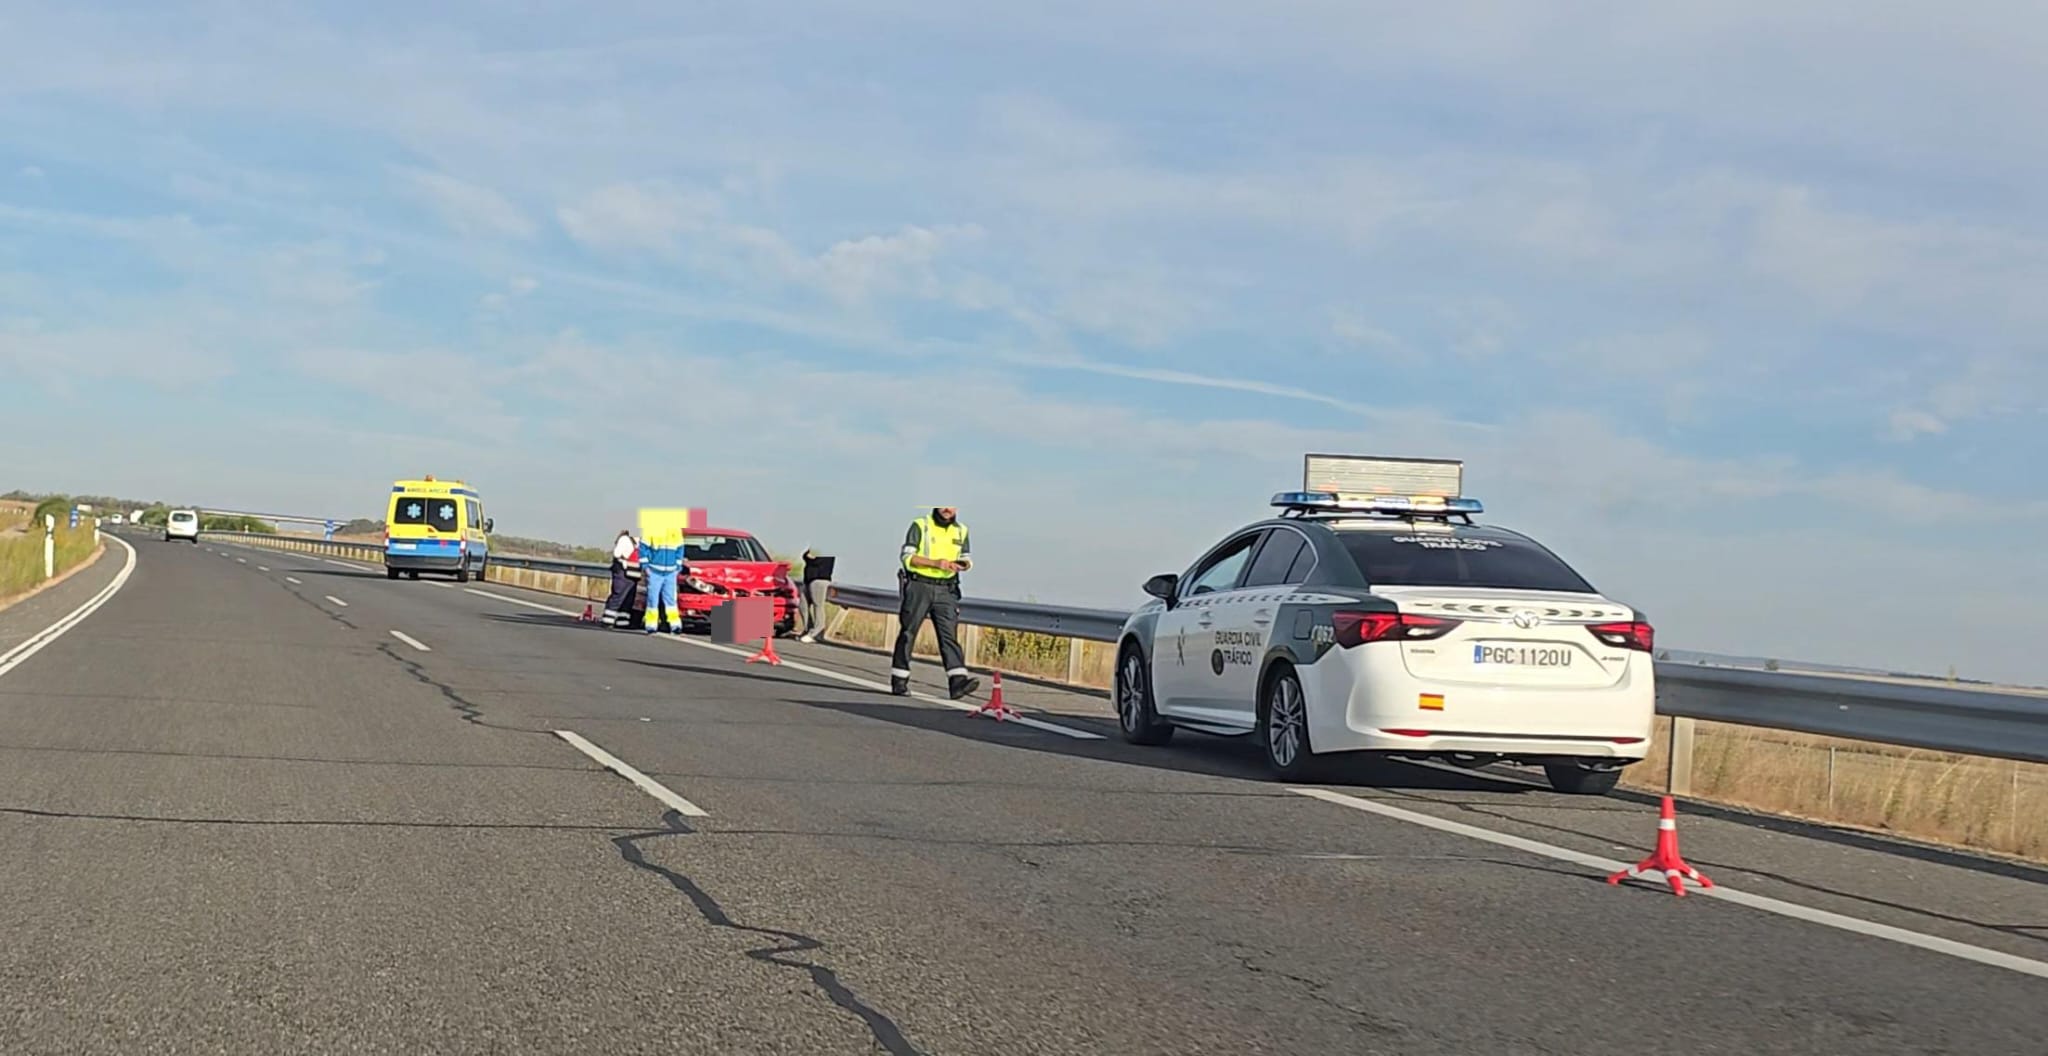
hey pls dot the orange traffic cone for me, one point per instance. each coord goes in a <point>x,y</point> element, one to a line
<point>995,705</point>
<point>1666,859</point>
<point>767,652</point>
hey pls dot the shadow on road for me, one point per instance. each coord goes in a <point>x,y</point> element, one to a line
<point>1190,753</point>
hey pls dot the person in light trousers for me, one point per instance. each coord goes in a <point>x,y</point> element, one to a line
<point>817,586</point>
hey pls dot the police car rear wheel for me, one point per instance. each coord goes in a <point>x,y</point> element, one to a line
<point>1134,713</point>
<point>1573,779</point>
<point>1283,727</point>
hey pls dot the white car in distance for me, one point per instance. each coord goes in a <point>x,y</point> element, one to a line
<point>182,524</point>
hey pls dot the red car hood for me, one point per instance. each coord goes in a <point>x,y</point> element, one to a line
<point>742,575</point>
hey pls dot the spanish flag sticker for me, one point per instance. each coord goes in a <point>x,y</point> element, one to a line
<point>1431,702</point>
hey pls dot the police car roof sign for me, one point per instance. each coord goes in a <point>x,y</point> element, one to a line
<point>1351,477</point>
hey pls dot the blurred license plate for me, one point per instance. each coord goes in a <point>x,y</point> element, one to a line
<point>1521,655</point>
<point>404,546</point>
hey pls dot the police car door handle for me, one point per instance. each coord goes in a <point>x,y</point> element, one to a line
<point>1262,616</point>
<point>1206,619</point>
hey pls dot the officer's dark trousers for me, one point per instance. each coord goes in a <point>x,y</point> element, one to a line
<point>941,602</point>
<point>620,603</point>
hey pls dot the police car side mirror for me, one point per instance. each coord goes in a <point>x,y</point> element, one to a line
<point>1162,586</point>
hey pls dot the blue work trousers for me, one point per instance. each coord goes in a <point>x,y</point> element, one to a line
<point>661,592</point>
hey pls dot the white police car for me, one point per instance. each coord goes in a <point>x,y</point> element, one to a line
<point>1373,615</point>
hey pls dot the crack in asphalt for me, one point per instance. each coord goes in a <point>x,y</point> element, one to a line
<point>313,823</point>
<point>470,711</point>
<point>1317,991</point>
<point>885,1031</point>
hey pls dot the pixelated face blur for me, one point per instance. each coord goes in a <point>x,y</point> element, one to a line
<point>947,514</point>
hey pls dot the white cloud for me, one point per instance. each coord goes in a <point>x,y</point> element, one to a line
<point>1908,424</point>
<point>469,208</point>
<point>628,216</point>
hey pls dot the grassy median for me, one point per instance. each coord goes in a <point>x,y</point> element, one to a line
<point>21,553</point>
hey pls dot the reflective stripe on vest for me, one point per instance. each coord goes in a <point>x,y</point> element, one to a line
<point>936,543</point>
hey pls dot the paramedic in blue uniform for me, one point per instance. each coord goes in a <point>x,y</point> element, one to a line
<point>935,552</point>
<point>661,564</point>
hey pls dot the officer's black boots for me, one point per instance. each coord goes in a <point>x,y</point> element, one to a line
<point>899,685</point>
<point>960,685</point>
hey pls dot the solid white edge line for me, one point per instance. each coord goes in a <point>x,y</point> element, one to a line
<point>34,644</point>
<point>821,672</point>
<point>1608,866</point>
<point>411,641</point>
<point>337,601</point>
<point>620,767</point>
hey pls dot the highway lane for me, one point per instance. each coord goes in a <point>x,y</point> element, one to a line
<point>943,884</point>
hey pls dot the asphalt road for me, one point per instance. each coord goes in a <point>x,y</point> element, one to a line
<point>238,814</point>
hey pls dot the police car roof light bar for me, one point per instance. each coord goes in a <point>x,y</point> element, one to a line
<point>1305,502</point>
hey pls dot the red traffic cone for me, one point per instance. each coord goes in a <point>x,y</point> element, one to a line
<point>588,616</point>
<point>1666,859</point>
<point>995,705</point>
<point>767,653</point>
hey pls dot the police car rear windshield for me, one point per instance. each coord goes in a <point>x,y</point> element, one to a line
<point>435,511</point>
<point>1483,559</point>
<point>723,548</point>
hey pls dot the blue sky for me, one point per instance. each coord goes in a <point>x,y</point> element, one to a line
<point>1737,307</point>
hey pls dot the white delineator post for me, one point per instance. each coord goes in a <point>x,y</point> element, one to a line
<point>49,545</point>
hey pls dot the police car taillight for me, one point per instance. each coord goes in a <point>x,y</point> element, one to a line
<point>1358,628</point>
<point>1636,635</point>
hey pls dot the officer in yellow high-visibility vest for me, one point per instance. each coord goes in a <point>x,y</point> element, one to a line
<point>935,552</point>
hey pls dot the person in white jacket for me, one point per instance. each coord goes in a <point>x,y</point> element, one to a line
<point>618,609</point>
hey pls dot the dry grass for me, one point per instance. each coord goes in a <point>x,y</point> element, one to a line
<point>1994,805</point>
<point>21,555</point>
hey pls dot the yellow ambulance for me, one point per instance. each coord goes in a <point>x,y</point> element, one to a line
<point>436,526</point>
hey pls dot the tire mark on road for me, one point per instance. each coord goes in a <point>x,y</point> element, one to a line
<point>885,1031</point>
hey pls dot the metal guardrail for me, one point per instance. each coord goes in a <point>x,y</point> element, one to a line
<point>1060,621</point>
<point>1994,722</point>
<point>371,552</point>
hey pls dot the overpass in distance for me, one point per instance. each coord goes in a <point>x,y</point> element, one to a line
<point>262,801</point>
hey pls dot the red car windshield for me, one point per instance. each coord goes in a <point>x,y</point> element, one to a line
<point>723,548</point>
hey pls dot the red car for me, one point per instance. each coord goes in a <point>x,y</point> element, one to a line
<point>721,563</point>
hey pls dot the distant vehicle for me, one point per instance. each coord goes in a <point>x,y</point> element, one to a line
<point>722,563</point>
<point>182,524</point>
<point>117,519</point>
<point>436,526</point>
<point>1373,616</point>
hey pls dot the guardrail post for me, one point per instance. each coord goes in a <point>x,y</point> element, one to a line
<point>1678,780</point>
<point>49,545</point>
<point>970,643</point>
<point>1074,661</point>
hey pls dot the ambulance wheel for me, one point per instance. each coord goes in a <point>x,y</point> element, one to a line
<point>462,574</point>
<point>390,573</point>
<point>480,570</point>
<point>412,575</point>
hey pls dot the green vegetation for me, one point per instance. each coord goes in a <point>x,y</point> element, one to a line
<point>21,556</point>
<point>212,523</point>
